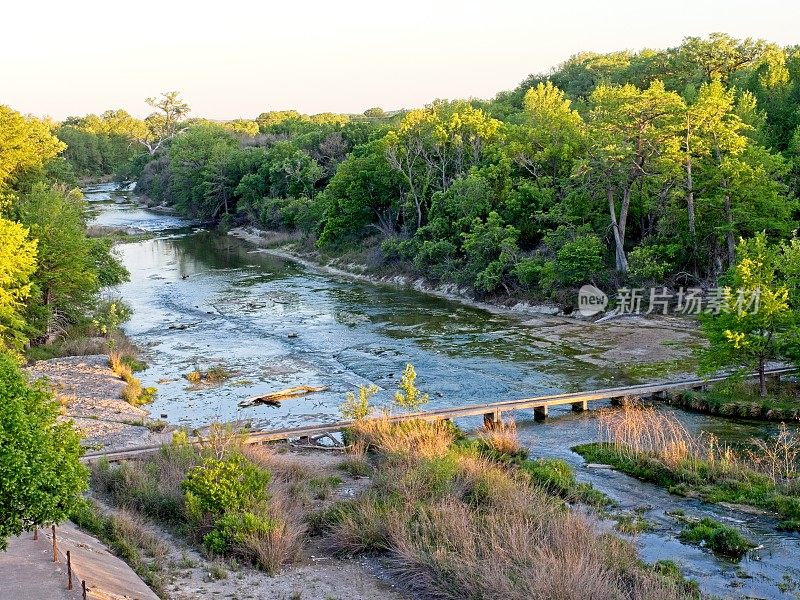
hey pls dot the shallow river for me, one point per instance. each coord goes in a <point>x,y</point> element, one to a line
<point>202,299</point>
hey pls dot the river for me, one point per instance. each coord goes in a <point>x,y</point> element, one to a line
<point>202,299</point>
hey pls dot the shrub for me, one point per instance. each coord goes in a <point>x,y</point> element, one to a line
<point>395,248</point>
<point>647,264</point>
<point>408,396</point>
<point>217,486</point>
<point>720,538</point>
<point>579,260</point>
<point>358,408</point>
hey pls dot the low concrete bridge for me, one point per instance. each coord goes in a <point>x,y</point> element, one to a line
<point>491,411</point>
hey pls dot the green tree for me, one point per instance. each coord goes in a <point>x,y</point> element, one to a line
<point>17,264</point>
<point>24,143</point>
<point>71,267</point>
<point>633,137</point>
<point>163,124</point>
<point>41,477</point>
<point>756,322</point>
<point>435,145</point>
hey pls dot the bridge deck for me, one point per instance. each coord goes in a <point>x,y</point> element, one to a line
<point>538,403</point>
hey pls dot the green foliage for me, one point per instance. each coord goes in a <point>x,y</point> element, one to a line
<point>217,486</point>
<point>578,261</point>
<point>232,527</point>
<point>408,396</point>
<point>648,264</point>
<point>721,539</point>
<point>17,264</point>
<point>41,477</point>
<point>757,322</point>
<point>24,143</point>
<point>358,408</point>
<point>71,267</point>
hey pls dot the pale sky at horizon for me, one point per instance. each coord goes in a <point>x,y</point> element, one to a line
<point>239,58</point>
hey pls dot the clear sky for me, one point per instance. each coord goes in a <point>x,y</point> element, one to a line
<point>231,58</point>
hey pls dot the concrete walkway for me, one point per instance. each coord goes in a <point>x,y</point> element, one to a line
<point>27,570</point>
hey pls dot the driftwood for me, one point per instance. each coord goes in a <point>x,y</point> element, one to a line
<point>274,398</point>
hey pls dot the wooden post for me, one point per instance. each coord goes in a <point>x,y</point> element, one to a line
<point>492,419</point>
<point>69,571</point>
<point>55,550</point>
<point>540,412</point>
<point>83,586</point>
<point>35,534</point>
<point>580,406</point>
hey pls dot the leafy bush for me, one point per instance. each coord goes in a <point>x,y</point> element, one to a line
<point>408,396</point>
<point>232,528</point>
<point>648,264</point>
<point>579,260</point>
<point>224,485</point>
<point>395,248</point>
<point>358,408</point>
<point>720,538</point>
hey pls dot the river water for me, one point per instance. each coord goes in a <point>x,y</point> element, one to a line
<point>202,299</point>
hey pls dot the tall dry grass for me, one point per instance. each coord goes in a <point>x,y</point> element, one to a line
<point>636,430</point>
<point>455,524</point>
<point>502,438</point>
<point>421,438</point>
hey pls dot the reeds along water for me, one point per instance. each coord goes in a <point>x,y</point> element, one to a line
<point>636,430</point>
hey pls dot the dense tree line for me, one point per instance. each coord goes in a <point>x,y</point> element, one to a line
<point>50,274</point>
<point>51,271</point>
<point>622,167</point>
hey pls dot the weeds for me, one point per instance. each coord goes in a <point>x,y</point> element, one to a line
<point>652,446</point>
<point>719,538</point>
<point>215,374</point>
<point>464,519</point>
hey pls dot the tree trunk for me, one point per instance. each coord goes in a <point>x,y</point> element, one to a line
<point>729,237</point>
<point>762,378</point>
<point>690,200</point>
<point>619,234</point>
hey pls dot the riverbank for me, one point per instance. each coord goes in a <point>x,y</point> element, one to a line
<point>90,394</point>
<point>781,405</point>
<point>639,346</point>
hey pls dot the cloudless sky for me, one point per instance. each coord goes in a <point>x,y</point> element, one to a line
<point>231,58</point>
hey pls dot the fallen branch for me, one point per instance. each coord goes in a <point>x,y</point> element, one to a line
<point>274,398</point>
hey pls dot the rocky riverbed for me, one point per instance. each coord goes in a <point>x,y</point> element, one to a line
<point>90,395</point>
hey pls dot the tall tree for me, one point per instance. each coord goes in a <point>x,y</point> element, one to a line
<point>756,323</point>
<point>165,122</point>
<point>24,143</point>
<point>633,135</point>
<point>41,476</point>
<point>712,130</point>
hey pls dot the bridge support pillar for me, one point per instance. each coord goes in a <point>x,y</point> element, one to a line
<point>540,413</point>
<point>774,377</point>
<point>661,395</point>
<point>581,406</point>
<point>618,401</point>
<point>304,439</point>
<point>492,419</point>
